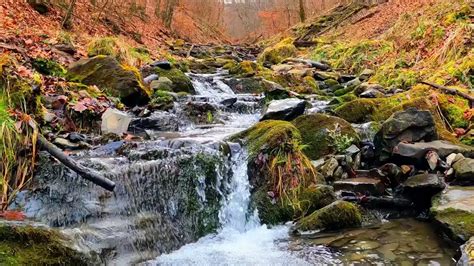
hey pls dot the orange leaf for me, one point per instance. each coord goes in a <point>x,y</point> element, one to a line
<point>13,215</point>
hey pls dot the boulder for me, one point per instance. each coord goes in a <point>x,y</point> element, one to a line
<point>464,171</point>
<point>117,80</point>
<point>286,109</point>
<point>277,53</point>
<point>417,151</point>
<point>315,129</point>
<point>115,121</point>
<point>421,188</point>
<point>411,125</point>
<point>337,215</point>
<point>454,211</point>
<point>372,93</point>
<point>163,84</point>
<point>362,185</point>
<point>328,168</point>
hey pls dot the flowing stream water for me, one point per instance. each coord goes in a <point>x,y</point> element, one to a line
<point>182,198</point>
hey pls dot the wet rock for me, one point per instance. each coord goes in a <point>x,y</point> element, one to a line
<point>150,78</point>
<point>66,144</point>
<point>315,130</point>
<point>464,171</point>
<point>180,82</point>
<point>166,65</point>
<point>362,185</point>
<point>107,73</point>
<point>109,148</point>
<point>229,102</point>
<point>286,109</point>
<point>453,209</point>
<point>76,137</point>
<point>32,244</point>
<point>115,121</point>
<point>411,125</point>
<point>417,151</point>
<point>201,112</point>
<point>270,210</point>
<point>467,253</point>
<point>393,173</point>
<point>158,121</point>
<point>372,93</point>
<point>337,215</point>
<point>420,188</point>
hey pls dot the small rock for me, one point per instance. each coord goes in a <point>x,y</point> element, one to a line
<point>366,74</point>
<point>450,159</point>
<point>115,121</point>
<point>406,169</point>
<point>366,186</point>
<point>76,137</point>
<point>464,171</point>
<point>150,78</point>
<point>467,253</point>
<point>372,93</point>
<point>327,170</point>
<point>353,149</point>
<point>432,157</point>
<point>166,65</point>
<point>65,144</point>
<point>286,109</point>
<point>229,102</point>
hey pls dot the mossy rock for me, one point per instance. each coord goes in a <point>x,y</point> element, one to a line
<point>337,215</point>
<point>181,82</point>
<point>121,81</point>
<point>244,69</point>
<point>268,135</point>
<point>314,130</point>
<point>316,197</point>
<point>270,211</point>
<point>162,100</point>
<point>356,111</point>
<point>22,244</point>
<point>453,210</point>
<point>279,52</point>
<point>48,67</point>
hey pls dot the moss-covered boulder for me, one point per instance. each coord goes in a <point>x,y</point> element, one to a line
<point>453,209</point>
<point>22,244</point>
<point>323,134</point>
<point>244,69</point>
<point>181,82</point>
<point>279,52</point>
<point>117,80</point>
<point>337,215</point>
<point>357,111</point>
<point>271,211</point>
<point>316,197</point>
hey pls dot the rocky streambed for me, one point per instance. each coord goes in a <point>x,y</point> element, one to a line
<point>199,186</point>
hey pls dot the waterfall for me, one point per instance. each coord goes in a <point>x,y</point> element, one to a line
<point>242,240</point>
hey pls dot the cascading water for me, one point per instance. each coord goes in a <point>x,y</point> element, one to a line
<point>241,239</point>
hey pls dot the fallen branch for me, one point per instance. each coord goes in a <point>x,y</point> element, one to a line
<point>452,91</point>
<point>84,172</point>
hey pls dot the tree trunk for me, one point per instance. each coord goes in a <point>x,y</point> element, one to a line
<point>67,22</point>
<point>302,11</point>
<point>169,12</point>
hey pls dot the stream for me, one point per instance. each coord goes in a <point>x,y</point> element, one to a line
<point>182,198</point>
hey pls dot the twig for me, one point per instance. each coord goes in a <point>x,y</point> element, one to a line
<point>452,91</point>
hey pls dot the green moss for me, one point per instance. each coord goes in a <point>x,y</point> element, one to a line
<point>244,69</point>
<point>356,111</point>
<point>314,198</point>
<point>354,56</point>
<point>48,67</point>
<point>315,132</point>
<point>119,49</point>
<point>181,82</point>
<point>338,215</point>
<point>162,100</point>
<point>270,211</point>
<point>460,222</point>
<point>269,135</point>
<point>27,245</point>
<point>279,52</point>
<point>117,80</point>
